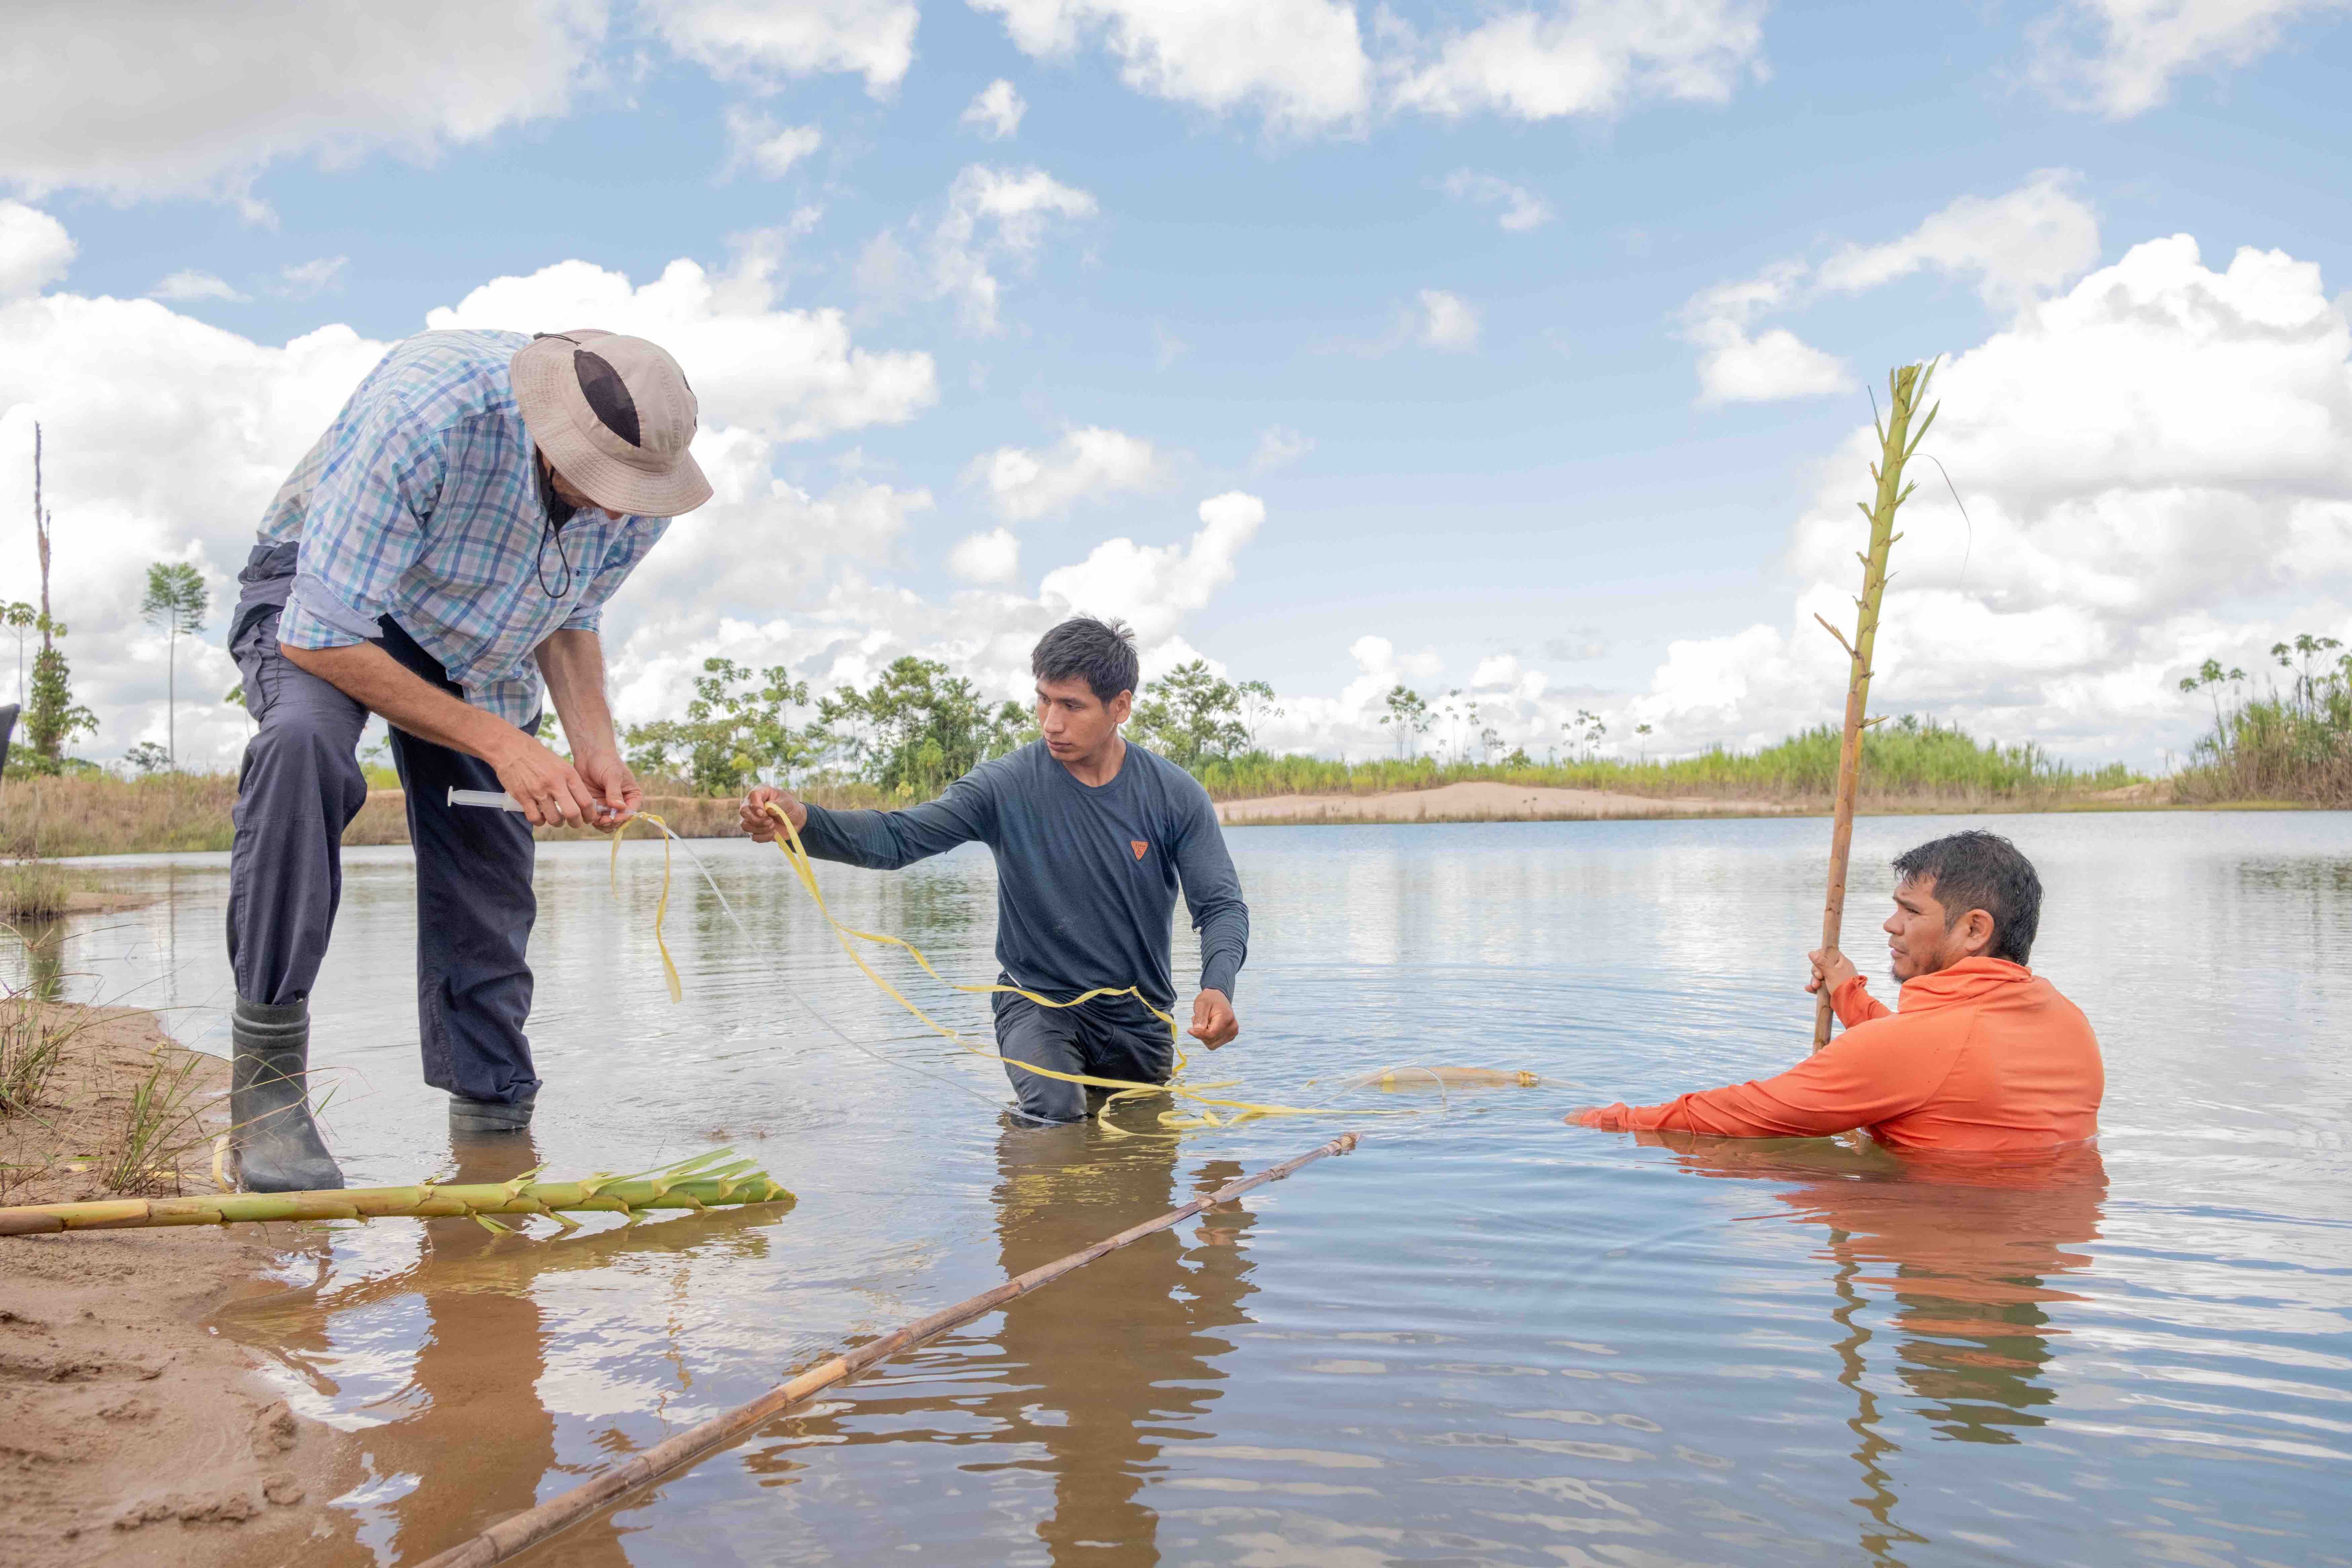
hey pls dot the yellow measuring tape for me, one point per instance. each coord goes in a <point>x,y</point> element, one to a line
<point>797,857</point>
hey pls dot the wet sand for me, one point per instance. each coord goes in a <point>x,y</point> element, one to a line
<point>1484,801</point>
<point>130,1431</point>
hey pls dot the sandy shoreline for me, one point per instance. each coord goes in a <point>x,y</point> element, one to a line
<point>130,1432</point>
<point>1485,800</point>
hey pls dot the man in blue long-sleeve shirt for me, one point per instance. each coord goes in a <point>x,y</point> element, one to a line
<point>1092,836</point>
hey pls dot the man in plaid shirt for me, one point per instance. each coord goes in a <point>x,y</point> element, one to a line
<point>441,557</point>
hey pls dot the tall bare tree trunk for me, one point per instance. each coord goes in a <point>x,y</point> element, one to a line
<point>41,537</point>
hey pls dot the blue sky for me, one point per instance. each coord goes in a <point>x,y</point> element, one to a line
<point>1550,488</point>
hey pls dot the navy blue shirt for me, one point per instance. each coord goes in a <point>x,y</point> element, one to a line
<point>1085,875</point>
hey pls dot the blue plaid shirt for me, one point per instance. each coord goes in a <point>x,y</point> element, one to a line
<point>422,502</point>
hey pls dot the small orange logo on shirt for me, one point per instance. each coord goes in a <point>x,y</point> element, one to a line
<point>1138,846</point>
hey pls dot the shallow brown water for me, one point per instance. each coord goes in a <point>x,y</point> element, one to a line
<point>1485,1338</point>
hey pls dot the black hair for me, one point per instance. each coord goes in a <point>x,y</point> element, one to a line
<point>1980,870</point>
<point>1100,652</point>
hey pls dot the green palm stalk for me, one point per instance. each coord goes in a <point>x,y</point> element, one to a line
<point>706,1181</point>
<point>1904,386</point>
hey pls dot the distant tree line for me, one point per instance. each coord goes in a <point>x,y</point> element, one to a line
<point>916,729</point>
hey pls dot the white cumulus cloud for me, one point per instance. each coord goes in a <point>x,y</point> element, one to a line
<point>995,215</point>
<point>1304,67</point>
<point>2014,248</point>
<point>760,547</point>
<point>1447,320</point>
<point>1154,587</point>
<point>2156,467</point>
<point>995,111</point>
<point>189,284</point>
<point>1278,446</point>
<point>141,98</point>
<point>1522,208</point>
<point>2122,57</point>
<point>2018,246</point>
<point>764,41</point>
<point>993,557</point>
<point>843,627</point>
<point>35,249</point>
<point>165,438</point>
<point>788,374</point>
<point>320,276</point>
<point>1589,57</point>
<point>1771,366</point>
<point>758,145</point>
<point>1301,63</point>
<point>1023,485</point>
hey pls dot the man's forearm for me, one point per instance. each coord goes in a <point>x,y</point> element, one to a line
<point>1223,953</point>
<point>374,678</point>
<point>572,662</point>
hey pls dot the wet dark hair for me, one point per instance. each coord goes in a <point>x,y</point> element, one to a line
<point>1100,652</point>
<point>1980,870</point>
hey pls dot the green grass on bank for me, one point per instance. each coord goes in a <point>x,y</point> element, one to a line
<point>1905,762</point>
<point>94,812</point>
<point>1908,764</point>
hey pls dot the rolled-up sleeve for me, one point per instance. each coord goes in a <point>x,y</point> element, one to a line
<point>638,537</point>
<point>364,527</point>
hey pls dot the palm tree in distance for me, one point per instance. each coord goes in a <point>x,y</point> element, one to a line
<point>177,600</point>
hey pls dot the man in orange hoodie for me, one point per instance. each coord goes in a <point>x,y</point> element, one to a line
<point>1984,1056</point>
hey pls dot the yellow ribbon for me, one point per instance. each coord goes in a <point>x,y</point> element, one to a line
<point>796,855</point>
<point>661,910</point>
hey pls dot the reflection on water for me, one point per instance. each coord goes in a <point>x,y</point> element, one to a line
<point>1964,1248</point>
<point>1484,1339</point>
<point>1118,1365</point>
<point>40,949</point>
<point>468,1306</point>
<point>1087,1380</point>
<point>1966,1253</point>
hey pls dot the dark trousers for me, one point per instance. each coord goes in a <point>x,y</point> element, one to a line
<point>300,786</point>
<point>1113,1036</point>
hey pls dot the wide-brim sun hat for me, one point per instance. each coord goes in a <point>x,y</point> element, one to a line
<point>615,418</point>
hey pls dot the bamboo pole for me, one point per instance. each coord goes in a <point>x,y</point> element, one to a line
<point>705,1182</point>
<point>1905,386</point>
<point>517,1531</point>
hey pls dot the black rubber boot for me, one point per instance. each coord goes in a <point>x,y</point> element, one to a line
<point>278,1145</point>
<point>475,1116</point>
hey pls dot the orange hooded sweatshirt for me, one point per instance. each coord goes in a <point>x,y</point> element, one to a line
<point>1983,1056</point>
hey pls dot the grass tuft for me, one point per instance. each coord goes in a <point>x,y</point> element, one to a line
<point>33,890</point>
<point>33,1041</point>
<point>156,1128</point>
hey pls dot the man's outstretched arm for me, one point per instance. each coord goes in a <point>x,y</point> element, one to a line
<point>1863,1077</point>
<point>878,840</point>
